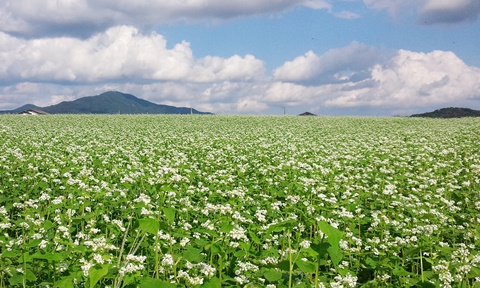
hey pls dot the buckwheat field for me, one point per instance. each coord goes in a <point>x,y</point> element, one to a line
<point>239,201</point>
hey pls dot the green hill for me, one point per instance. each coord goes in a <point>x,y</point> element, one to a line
<point>452,112</point>
<point>111,102</point>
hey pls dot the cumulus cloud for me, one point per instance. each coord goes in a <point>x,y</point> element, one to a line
<point>336,65</point>
<point>412,79</point>
<point>119,54</point>
<point>398,82</point>
<point>431,11</point>
<point>318,4</point>
<point>54,17</point>
<point>403,81</point>
<point>445,11</point>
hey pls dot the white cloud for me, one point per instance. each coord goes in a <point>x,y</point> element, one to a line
<point>120,53</point>
<point>55,17</point>
<point>318,4</point>
<point>392,6</point>
<point>336,65</point>
<point>448,11</point>
<point>302,68</point>
<point>403,82</point>
<point>413,79</point>
<point>431,11</point>
<point>291,94</point>
<point>40,94</point>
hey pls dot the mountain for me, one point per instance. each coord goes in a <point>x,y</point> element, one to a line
<point>452,112</point>
<point>111,102</point>
<point>307,114</point>
<point>23,108</point>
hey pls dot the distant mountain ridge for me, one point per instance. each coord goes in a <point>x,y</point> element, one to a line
<point>111,102</point>
<point>451,112</point>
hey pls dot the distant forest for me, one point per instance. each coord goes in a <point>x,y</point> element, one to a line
<point>451,112</point>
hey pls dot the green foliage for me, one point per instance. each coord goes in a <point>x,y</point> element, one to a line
<point>188,201</point>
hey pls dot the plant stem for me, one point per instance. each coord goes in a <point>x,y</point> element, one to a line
<point>221,267</point>
<point>290,273</point>
<point>421,265</point>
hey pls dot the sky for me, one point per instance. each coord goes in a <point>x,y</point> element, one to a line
<point>261,57</point>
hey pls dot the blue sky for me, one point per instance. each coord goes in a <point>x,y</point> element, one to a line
<point>330,57</point>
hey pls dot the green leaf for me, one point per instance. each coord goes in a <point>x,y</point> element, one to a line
<point>201,242</point>
<point>149,225</point>
<point>414,251</point>
<point>335,254</point>
<point>474,272</point>
<point>96,273</point>
<point>426,284</point>
<point>166,188</point>
<point>279,227</point>
<point>215,248</point>
<point>239,253</point>
<point>16,279</point>
<point>409,282</point>
<point>10,254</point>
<point>226,227</point>
<point>30,276</point>
<point>155,283</point>
<point>48,256</point>
<point>193,255</point>
<point>129,279</point>
<point>272,275</point>
<point>306,266</point>
<point>47,224</point>
<point>33,243</point>
<point>170,214</point>
<point>400,271</point>
<point>372,263</point>
<point>254,237</point>
<point>283,265</point>
<point>334,235</point>
<point>66,282</point>
<point>321,248</point>
<point>212,283</point>
<point>310,252</point>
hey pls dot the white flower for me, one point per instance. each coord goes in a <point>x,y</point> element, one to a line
<point>241,279</point>
<point>206,269</point>
<point>184,242</point>
<point>238,234</point>
<point>119,223</point>
<point>146,211</point>
<point>345,281</point>
<point>98,258</point>
<point>305,244</point>
<point>86,267</point>
<point>167,260</point>
<point>43,244</point>
<point>130,268</point>
<point>260,215</point>
<point>143,198</point>
<point>134,258</point>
